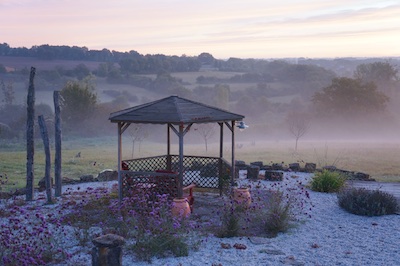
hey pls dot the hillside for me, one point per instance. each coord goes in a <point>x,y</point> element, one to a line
<point>13,63</point>
<point>264,91</point>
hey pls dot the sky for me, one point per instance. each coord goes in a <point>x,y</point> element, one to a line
<point>223,28</point>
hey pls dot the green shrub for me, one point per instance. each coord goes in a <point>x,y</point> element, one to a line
<point>360,201</point>
<point>327,181</point>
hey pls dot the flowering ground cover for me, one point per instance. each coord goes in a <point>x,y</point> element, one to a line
<point>281,213</point>
<point>39,233</point>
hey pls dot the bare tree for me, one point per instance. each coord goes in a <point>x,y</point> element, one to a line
<point>206,131</point>
<point>8,92</point>
<point>299,124</point>
<point>138,133</point>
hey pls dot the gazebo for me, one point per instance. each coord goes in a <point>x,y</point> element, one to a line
<point>178,114</point>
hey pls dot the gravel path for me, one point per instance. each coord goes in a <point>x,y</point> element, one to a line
<point>330,236</point>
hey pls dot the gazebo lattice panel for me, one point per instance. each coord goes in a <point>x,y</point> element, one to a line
<point>205,172</point>
<point>150,183</point>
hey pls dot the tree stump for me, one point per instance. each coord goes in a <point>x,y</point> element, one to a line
<point>107,250</point>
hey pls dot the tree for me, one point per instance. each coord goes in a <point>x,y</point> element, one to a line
<point>350,98</point>
<point>206,131</point>
<point>78,103</point>
<point>383,74</point>
<point>299,124</point>
<point>206,59</point>
<point>8,92</point>
<point>3,69</point>
<point>221,98</point>
<point>137,133</point>
<point>129,65</point>
<point>81,71</point>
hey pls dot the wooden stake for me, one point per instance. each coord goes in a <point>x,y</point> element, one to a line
<point>30,133</point>
<point>45,137</point>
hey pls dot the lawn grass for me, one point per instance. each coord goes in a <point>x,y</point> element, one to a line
<point>378,159</point>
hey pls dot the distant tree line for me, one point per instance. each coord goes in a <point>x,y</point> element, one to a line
<point>312,89</point>
<point>130,62</point>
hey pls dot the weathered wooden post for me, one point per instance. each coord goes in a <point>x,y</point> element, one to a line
<point>45,137</point>
<point>57,158</point>
<point>107,250</point>
<point>30,132</point>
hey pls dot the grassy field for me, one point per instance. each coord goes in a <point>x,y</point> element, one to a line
<point>380,160</point>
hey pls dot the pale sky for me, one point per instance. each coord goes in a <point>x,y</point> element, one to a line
<point>223,28</point>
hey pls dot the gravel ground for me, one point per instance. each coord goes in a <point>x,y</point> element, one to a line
<point>330,236</point>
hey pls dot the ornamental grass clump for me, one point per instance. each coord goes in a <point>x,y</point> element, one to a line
<point>364,202</point>
<point>278,214</point>
<point>274,209</point>
<point>232,218</point>
<point>328,181</point>
<point>157,231</point>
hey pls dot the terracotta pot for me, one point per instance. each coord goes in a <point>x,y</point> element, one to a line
<point>242,196</point>
<point>180,208</point>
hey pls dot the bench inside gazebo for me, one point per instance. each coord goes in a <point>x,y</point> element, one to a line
<point>175,175</point>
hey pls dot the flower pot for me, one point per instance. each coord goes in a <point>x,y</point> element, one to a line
<point>180,208</point>
<point>242,196</point>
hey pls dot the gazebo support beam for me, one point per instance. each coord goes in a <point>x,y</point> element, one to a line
<point>221,154</point>
<point>232,129</point>
<point>233,155</point>
<point>181,133</point>
<point>169,167</point>
<point>120,125</point>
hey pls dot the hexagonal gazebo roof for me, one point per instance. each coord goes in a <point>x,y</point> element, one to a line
<point>179,114</point>
<point>173,110</point>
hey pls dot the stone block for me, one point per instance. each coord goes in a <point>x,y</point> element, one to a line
<point>253,171</point>
<point>107,175</point>
<point>273,175</point>
<point>294,167</point>
<point>310,167</point>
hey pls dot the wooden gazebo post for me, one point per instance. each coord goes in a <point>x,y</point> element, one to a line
<point>119,161</point>
<point>169,167</point>
<point>180,184</point>
<point>233,154</point>
<point>122,126</point>
<point>181,133</point>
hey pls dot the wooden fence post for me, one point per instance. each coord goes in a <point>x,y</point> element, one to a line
<point>45,137</point>
<point>57,159</point>
<point>30,132</point>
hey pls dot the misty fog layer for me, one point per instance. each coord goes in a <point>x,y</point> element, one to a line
<point>293,99</point>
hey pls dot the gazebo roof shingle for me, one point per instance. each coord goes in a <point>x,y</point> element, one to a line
<point>175,110</point>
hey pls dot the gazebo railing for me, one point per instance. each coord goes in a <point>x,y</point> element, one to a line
<point>149,182</point>
<point>205,172</point>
